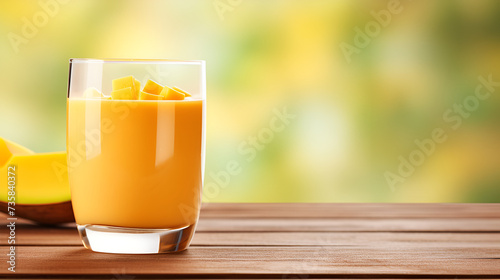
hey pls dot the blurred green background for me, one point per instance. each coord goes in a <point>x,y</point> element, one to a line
<point>355,115</point>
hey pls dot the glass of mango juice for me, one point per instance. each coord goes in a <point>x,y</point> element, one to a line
<point>136,148</point>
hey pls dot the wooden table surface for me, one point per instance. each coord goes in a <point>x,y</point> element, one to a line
<point>288,241</point>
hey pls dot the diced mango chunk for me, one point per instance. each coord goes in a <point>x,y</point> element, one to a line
<point>152,87</point>
<point>92,93</point>
<point>148,96</point>
<point>129,88</point>
<point>127,82</point>
<point>123,94</point>
<point>172,94</point>
<point>187,94</point>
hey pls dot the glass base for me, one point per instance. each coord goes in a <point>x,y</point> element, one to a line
<point>121,240</point>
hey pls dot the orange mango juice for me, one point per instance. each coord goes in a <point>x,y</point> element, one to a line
<point>135,163</point>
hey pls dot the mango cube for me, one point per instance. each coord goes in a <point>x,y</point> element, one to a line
<point>127,82</point>
<point>172,94</point>
<point>152,87</point>
<point>148,96</point>
<point>123,94</point>
<point>92,93</point>
<point>183,91</point>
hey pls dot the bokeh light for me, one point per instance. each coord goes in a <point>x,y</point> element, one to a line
<point>352,120</point>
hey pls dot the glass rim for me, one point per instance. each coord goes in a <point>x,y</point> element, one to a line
<point>134,60</point>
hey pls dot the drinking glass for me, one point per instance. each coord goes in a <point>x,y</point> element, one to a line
<point>135,166</point>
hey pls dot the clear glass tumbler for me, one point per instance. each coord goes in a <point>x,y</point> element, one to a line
<point>136,148</point>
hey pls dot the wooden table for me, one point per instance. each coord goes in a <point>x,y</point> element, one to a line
<point>289,241</point>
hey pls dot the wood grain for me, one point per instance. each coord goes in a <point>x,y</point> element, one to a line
<point>345,224</point>
<point>351,225</point>
<point>350,210</point>
<point>289,241</point>
<point>369,260</point>
<point>68,236</point>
